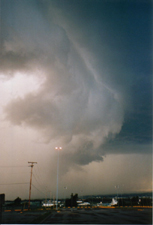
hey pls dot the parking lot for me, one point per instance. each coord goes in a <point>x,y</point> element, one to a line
<point>80,216</point>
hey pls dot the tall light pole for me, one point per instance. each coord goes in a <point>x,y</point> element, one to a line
<point>58,149</point>
<point>65,195</point>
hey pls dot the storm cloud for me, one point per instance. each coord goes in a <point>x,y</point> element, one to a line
<point>95,68</point>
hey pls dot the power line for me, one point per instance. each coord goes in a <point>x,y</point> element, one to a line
<point>15,183</point>
<point>13,166</point>
<point>37,181</point>
<point>38,177</point>
<point>38,189</point>
<point>45,190</point>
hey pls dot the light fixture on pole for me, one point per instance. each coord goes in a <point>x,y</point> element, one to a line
<point>58,149</point>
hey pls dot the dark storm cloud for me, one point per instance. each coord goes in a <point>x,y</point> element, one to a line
<point>83,155</point>
<point>11,62</point>
<point>95,57</point>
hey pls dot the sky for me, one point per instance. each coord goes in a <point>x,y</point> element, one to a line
<point>75,74</point>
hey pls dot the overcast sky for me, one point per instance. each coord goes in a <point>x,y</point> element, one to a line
<point>75,74</point>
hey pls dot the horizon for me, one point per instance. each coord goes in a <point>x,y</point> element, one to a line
<point>119,195</point>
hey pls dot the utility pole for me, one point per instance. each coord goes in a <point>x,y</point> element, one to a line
<point>30,182</point>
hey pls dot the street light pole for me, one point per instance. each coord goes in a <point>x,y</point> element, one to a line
<point>65,195</point>
<point>57,148</point>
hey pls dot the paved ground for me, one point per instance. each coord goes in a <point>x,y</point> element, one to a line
<point>20,217</point>
<point>99,216</point>
<point>81,216</point>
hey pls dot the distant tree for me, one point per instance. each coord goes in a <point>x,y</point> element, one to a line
<point>134,200</point>
<point>72,201</point>
<point>17,201</point>
<point>146,201</point>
